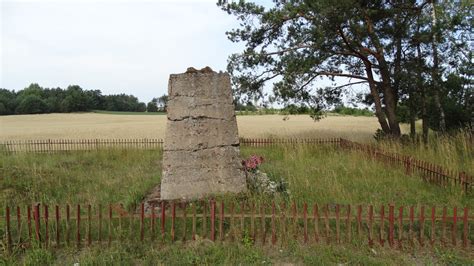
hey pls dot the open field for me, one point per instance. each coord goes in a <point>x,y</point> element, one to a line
<point>94,125</point>
<point>314,174</point>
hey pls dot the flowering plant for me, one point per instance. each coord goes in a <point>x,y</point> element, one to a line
<point>252,163</point>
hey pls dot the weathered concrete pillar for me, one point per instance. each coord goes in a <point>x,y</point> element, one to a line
<point>201,150</point>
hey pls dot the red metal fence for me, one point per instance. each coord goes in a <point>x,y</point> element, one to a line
<point>274,224</point>
<point>428,171</point>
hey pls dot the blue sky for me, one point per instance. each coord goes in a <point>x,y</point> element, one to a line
<point>115,46</point>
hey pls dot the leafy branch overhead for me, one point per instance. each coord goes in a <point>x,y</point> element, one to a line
<point>294,44</point>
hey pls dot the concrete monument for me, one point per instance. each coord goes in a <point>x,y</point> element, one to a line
<point>201,150</point>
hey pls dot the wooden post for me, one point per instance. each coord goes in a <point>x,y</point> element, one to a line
<point>78,226</point>
<point>29,224</point>
<point>9,234</point>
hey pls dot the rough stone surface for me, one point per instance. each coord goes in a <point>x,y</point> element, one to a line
<point>201,150</point>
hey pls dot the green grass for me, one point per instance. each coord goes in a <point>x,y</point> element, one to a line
<point>207,253</point>
<point>127,113</point>
<point>314,174</point>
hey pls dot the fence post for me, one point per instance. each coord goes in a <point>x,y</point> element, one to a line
<point>29,223</point>
<point>9,236</point>
<point>408,165</point>
<point>213,220</point>
<point>78,229</point>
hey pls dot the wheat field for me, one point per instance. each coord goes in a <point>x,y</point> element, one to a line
<point>107,126</point>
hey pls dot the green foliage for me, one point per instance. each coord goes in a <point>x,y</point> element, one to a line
<point>31,104</point>
<point>151,107</point>
<point>36,100</point>
<point>341,109</point>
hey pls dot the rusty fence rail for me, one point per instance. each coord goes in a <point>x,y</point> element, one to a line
<point>428,171</point>
<point>265,224</point>
<point>56,145</point>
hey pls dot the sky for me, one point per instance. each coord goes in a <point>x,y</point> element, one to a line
<point>115,46</point>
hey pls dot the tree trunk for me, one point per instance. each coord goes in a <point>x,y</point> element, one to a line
<point>422,89</point>
<point>377,102</point>
<point>435,74</point>
<point>390,98</point>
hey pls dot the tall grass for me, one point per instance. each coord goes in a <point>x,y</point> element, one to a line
<point>455,152</point>
<point>315,174</point>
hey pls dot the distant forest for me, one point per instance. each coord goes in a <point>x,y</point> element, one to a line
<point>37,100</point>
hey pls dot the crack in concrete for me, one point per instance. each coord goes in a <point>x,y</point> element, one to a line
<point>188,117</point>
<point>206,148</point>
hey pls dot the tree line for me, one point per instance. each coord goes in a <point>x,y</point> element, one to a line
<point>413,57</point>
<point>37,100</point>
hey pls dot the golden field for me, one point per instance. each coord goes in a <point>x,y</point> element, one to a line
<point>94,125</point>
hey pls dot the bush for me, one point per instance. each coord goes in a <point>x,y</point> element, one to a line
<point>32,104</point>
